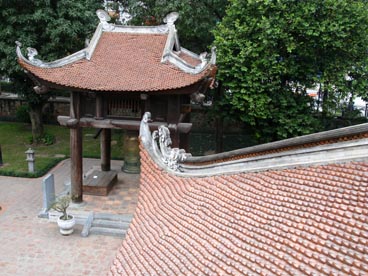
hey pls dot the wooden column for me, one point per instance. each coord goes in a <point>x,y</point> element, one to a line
<point>105,147</point>
<point>76,176</point>
<point>173,115</point>
<point>185,110</point>
<point>99,107</point>
<point>105,136</point>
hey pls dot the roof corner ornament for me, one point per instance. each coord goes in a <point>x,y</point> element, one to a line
<point>159,143</point>
<point>41,89</point>
<point>197,98</point>
<point>171,157</point>
<point>31,53</point>
<point>104,18</point>
<point>171,18</point>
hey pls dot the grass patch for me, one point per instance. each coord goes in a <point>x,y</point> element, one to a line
<point>14,141</point>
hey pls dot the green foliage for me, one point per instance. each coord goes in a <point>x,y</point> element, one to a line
<point>54,28</point>
<point>22,114</point>
<point>270,52</point>
<point>14,141</point>
<point>6,86</point>
<point>46,139</point>
<point>197,18</point>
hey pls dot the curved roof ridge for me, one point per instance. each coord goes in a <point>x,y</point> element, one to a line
<point>32,52</point>
<point>178,162</point>
<point>310,139</point>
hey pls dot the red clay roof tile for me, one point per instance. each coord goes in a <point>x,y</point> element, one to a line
<point>304,221</point>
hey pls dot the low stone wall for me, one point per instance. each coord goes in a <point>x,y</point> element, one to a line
<point>9,104</point>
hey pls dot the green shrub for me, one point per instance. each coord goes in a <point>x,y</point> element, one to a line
<point>46,139</point>
<point>22,114</point>
<point>6,86</point>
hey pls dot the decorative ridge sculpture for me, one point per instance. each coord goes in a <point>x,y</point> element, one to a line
<point>159,144</point>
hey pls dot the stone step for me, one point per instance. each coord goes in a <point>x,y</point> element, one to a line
<point>106,224</point>
<point>110,224</point>
<point>107,231</point>
<point>123,218</point>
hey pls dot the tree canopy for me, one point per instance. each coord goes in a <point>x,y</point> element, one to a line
<point>197,18</point>
<point>55,28</point>
<point>271,51</point>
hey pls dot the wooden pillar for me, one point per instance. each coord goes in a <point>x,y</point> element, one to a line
<point>99,107</point>
<point>76,176</point>
<point>105,149</point>
<point>173,115</point>
<point>105,136</point>
<point>185,111</point>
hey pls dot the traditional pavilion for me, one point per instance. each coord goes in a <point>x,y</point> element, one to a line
<point>123,72</point>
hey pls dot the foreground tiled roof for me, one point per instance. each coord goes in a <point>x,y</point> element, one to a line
<point>302,221</point>
<point>121,62</point>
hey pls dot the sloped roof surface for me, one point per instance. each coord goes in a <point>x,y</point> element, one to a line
<point>122,62</point>
<point>303,221</point>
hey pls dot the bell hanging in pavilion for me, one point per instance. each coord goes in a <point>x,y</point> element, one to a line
<point>131,154</point>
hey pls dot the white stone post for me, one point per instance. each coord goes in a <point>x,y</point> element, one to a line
<point>31,160</point>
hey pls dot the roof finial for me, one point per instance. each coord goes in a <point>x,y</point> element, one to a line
<point>171,18</point>
<point>104,18</point>
<point>32,52</point>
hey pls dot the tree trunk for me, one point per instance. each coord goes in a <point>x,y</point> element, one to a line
<point>35,113</point>
<point>325,104</point>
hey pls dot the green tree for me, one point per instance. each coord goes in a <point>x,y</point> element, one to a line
<point>271,51</point>
<point>55,28</point>
<point>197,18</point>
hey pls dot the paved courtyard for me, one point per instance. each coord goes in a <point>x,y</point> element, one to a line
<point>33,246</point>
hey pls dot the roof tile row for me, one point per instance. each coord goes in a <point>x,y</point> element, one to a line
<point>308,221</point>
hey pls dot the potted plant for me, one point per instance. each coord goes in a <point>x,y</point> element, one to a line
<point>66,221</point>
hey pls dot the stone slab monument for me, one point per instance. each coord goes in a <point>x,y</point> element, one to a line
<point>48,195</point>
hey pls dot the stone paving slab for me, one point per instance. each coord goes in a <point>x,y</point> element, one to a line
<point>33,246</point>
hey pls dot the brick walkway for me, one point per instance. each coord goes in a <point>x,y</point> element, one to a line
<point>33,246</point>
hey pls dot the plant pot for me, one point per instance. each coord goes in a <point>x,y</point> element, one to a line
<point>66,226</point>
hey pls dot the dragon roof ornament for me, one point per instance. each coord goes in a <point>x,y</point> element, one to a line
<point>159,144</point>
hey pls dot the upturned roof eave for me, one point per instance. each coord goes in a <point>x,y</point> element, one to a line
<point>53,64</point>
<point>184,89</point>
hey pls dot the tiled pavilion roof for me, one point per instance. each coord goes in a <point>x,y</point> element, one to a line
<point>122,58</point>
<point>310,220</point>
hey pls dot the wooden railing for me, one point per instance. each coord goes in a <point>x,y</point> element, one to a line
<point>130,108</point>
